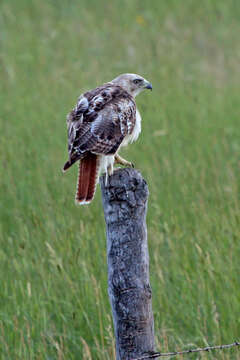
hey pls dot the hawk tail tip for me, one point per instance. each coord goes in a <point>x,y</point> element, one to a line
<point>82,202</point>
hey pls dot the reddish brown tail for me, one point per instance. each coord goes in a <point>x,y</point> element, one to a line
<point>87,179</point>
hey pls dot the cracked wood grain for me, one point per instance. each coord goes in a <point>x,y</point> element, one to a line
<point>125,204</point>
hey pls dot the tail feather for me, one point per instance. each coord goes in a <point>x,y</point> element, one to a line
<point>84,175</point>
<point>93,180</point>
<point>87,179</point>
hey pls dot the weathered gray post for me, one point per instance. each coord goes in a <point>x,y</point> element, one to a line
<point>125,203</point>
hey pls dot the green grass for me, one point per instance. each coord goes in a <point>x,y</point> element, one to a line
<point>53,272</point>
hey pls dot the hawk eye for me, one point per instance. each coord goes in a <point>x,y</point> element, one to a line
<point>137,81</point>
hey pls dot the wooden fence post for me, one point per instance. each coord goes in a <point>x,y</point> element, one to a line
<point>125,203</point>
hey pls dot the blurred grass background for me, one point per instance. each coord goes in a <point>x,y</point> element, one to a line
<point>53,273</point>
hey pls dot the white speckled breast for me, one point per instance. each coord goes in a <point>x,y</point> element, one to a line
<point>136,131</point>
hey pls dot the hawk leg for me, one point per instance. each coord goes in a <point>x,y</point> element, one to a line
<point>110,169</point>
<point>108,173</point>
<point>119,160</point>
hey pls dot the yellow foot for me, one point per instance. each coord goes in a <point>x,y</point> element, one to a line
<point>119,160</point>
<point>108,173</point>
<point>110,169</point>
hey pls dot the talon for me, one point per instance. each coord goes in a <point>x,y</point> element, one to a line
<point>121,161</point>
<point>110,170</point>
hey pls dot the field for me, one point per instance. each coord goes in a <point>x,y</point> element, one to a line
<point>53,272</point>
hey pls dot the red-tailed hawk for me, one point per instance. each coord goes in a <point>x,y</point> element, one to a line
<point>104,120</point>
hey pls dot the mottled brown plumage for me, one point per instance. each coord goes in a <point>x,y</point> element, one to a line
<point>103,120</point>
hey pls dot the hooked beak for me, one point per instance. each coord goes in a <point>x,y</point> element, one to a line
<point>148,86</point>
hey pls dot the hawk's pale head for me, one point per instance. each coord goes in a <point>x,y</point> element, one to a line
<point>132,83</point>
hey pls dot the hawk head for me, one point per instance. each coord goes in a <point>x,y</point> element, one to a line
<point>132,83</point>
